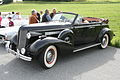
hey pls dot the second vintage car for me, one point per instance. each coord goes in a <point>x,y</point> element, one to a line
<point>66,31</point>
<point>7,33</point>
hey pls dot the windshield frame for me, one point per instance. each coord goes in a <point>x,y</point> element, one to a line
<point>76,15</point>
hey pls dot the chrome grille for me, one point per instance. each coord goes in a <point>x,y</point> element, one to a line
<point>22,39</point>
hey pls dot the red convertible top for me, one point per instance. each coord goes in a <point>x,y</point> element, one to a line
<point>93,19</point>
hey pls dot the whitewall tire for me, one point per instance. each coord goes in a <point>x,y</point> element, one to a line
<point>48,57</point>
<point>104,41</point>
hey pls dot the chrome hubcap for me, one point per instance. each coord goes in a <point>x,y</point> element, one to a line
<point>50,56</point>
<point>67,39</point>
<point>104,43</point>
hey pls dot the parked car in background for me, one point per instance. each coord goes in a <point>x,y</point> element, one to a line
<point>1,2</point>
<point>7,33</point>
<point>66,32</point>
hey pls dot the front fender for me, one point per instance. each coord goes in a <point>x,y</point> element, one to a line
<point>104,31</point>
<point>40,45</point>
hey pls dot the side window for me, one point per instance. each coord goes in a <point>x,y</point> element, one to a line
<point>78,20</point>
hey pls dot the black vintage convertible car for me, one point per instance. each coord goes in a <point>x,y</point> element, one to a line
<point>66,31</point>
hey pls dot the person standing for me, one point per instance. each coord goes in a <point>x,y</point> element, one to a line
<point>12,15</point>
<point>8,15</point>
<point>33,18</point>
<point>53,13</point>
<point>0,19</point>
<point>41,14</point>
<point>17,16</point>
<point>46,17</point>
<point>11,23</point>
<point>38,16</point>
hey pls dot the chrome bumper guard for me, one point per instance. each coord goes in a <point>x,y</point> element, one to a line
<point>2,40</point>
<point>17,54</point>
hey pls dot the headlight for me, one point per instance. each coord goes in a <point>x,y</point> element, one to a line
<point>23,50</point>
<point>28,35</point>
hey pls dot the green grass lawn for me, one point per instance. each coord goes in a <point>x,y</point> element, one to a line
<point>99,0</point>
<point>108,10</point>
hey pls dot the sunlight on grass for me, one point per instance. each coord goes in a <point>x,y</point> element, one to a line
<point>104,0</point>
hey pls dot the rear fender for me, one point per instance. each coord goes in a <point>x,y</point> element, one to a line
<point>64,32</point>
<point>106,31</point>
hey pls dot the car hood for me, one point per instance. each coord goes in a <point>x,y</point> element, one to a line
<point>46,26</point>
<point>9,30</point>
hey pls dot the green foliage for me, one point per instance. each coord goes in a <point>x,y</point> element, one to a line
<point>49,0</point>
<point>101,0</point>
<point>7,1</point>
<point>117,43</point>
<point>100,10</point>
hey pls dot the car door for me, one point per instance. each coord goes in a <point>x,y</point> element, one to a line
<point>90,33</point>
<point>84,32</point>
<point>79,35</point>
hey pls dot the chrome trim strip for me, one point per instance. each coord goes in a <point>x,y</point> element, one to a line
<point>50,29</point>
<point>94,25</point>
<point>51,33</point>
<point>86,47</point>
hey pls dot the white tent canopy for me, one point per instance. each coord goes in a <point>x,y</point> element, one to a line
<point>13,0</point>
<point>17,0</point>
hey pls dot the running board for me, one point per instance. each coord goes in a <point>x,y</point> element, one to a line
<point>76,50</point>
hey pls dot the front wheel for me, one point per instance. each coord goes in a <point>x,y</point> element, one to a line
<point>48,57</point>
<point>104,41</point>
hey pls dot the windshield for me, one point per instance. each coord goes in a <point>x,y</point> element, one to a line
<point>64,17</point>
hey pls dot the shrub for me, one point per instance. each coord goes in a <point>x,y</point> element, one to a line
<point>117,43</point>
<point>7,1</point>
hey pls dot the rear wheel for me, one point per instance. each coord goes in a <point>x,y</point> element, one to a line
<point>104,41</point>
<point>68,39</point>
<point>48,57</point>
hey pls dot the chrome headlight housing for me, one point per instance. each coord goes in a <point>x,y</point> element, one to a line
<point>23,51</point>
<point>28,35</point>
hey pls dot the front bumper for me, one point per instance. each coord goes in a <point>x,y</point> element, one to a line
<point>17,54</point>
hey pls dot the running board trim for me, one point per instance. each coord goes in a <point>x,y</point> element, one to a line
<point>86,47</point>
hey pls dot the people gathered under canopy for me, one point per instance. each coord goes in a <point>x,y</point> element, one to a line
<point>33,18</point>
<point>38,17</point>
